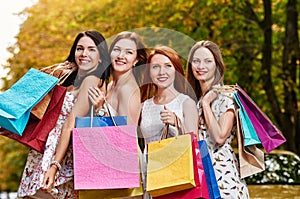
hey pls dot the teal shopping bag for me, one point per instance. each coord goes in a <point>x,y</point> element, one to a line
<point>17,102</point>
<point>250,135</point>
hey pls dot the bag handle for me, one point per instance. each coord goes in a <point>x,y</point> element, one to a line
<point>109,113</point>
<point>178,125</point>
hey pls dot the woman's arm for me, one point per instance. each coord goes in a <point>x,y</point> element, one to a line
<point>130,103</point>
<point>219,129</point>
<point>80,108</point>
<point>190,115</point>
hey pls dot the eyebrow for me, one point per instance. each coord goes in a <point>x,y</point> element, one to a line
<point>125,48</point>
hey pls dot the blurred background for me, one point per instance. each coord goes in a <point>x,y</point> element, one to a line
<point>259,41</point>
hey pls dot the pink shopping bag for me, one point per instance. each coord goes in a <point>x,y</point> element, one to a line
<point>105,157</point>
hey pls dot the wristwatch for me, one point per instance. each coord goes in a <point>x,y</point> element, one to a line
<point>101,112</point>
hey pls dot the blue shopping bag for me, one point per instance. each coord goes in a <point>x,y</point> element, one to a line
<point>211,181</point>
<point>250,136</point>
<point>98,121</point>
<point>17,102</point>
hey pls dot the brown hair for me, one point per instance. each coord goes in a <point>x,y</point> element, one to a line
<point>220,66</point>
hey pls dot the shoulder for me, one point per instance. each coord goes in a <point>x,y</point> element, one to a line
<point>90,80</point>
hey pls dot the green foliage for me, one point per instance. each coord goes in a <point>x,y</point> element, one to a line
<point>237,26</point>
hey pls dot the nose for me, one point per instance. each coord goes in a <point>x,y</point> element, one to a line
<point>122,53</point>
<point>161,70</point>
<point>85,52</point>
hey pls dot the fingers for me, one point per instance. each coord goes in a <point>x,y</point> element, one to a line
<point>96,96</point>
<point>48,182</point>
<point>167,116</point>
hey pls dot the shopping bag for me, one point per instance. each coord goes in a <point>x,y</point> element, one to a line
<point>17,102</point>
<point>100,121</point>
<point>250,136</point>
<point>267,132</point>
<point>62,71</point>
<point>105,157</point>
<point>201,189</point>
<point>170,165</point>
<point>210,176</point>
<point>113,193</point>
<point>251,158</point>
<point>36,132</point>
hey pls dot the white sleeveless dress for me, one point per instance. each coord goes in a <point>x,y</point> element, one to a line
<point>151,124</point>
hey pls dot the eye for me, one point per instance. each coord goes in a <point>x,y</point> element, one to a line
<point>207,61</point>
<point>196,61</point>
<point>129,52</point>
<point>116,49</point>
<point>79,48</point>
<point>155,66</point>
<point>169,66</point>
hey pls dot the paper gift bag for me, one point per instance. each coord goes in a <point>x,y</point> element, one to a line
<point>36,132</point>
<point>250,136</point>
<point>113,193</point>
<point>62,71</point>
<point>170,165</point>
<point>105,157</point>
<point>100,121</point>
<point>251,159</point>
<point>17,102</point>
<point>201,189</point>
<point>209,171</point>
<point>268,134</point>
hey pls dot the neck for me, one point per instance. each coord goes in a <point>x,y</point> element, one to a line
<point>165,95</point>
<point>119,78</point>
<point>205,86</point>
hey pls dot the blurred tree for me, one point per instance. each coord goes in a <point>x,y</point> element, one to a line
<point>259,41</point>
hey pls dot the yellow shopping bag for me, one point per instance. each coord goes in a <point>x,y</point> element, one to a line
<point>170,165</point>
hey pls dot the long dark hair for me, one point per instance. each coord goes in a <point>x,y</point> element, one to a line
<point>220,66</point>
<point>102,70</point>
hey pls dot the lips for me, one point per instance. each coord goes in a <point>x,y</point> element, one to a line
<point>162,79</point>
<point>201,72</point>
<point>120,62</point>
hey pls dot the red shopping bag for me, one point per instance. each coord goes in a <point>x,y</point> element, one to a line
<point>36,131</point>
<point>201,189</point>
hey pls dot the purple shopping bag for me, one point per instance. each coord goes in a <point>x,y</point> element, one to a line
<point>267,132</point>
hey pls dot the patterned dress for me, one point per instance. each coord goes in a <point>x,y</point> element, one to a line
<point>223,158</point>
<point>37,164</point>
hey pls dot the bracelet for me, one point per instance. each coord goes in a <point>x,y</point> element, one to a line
<point>54,162</point>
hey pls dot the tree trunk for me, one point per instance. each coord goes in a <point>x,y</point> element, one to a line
<point>290,61</point>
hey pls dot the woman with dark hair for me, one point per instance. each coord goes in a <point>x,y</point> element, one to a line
<point>216,116</point>
<point>167,101</point>
<point>41,178</point>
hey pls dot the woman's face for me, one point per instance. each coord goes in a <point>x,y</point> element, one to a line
<point>162,71</point>
<point>203,65</point>
<point>124,55</point>
<point>87,55</point>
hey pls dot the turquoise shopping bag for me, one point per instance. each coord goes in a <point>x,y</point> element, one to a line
<point>17,102</point>
<point>250,135</point>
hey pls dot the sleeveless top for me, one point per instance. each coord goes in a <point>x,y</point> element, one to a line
<point>151,124</point>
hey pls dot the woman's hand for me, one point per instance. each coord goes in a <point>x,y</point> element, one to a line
<point>167,116</point>
<point>209,97</point>
<point>96,96</point>
<point>49,177</point>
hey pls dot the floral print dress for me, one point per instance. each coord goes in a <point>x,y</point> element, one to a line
<point>223,158</point>
<point>37,163</point>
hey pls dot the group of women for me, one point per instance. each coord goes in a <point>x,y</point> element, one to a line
<point>149,87</point>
